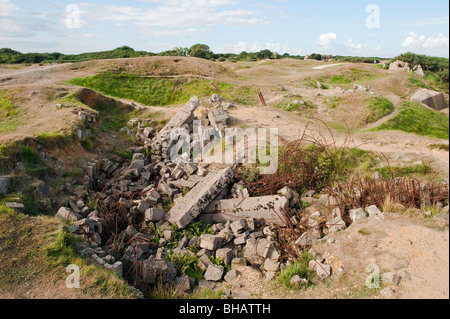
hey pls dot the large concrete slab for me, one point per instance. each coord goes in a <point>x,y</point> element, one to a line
<point>265,208</point>
<point>193,204</point>
<point>430,98</point>
<point>184,116</point>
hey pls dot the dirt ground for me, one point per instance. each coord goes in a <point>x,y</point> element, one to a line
<point>394,243</point>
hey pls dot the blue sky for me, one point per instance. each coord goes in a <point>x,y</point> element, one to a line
<point>368,28</point>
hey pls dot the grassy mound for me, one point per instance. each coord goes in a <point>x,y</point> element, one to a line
<point>163,92</point>
<point>417,119</point>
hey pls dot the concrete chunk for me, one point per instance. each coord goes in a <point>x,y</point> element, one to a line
<point>66,214</point>
<point>210,242</point>
<point>430,98</point>
<point>214,272</point>
<point>5,182</point>
<point>265,208</point>
<point>193,204</point>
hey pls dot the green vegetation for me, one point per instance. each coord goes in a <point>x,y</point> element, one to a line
<point>296,105</point>
<point>348,78</point>
<point>8,112</point>
<point>37,249</point>
<point>12,56</point>
<point>163,92</point>
<point>393,172</point>
<point>416,118</point>
<point>299,268</point>
<point>443,147</point>
<point>379,107</point>
<point>364,232</point>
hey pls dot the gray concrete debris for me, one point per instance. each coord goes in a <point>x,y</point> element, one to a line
<point>214,272</point>
<point>357,214</point>
<point>323,271</point>
<point>5,183</point>
<point>199,197</point>
<point>157,271</point>
<point>335,224</point>
<point>373,211</point>
<point>390,278</point>
<point>67,215</point>
<point>432,99</point>
<point>265,208</point>
<point>16,206</point>
<point>210,242</point>
<point>154,214</point>
<point>226,254</point>
<point>231,276</point>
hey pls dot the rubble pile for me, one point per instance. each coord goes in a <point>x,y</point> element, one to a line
<point>152,211</point>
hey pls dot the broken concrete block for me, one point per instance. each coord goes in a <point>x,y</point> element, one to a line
<point>67,215</point>
<point>323,271</point>
<point>226,254</point>
<point>190,168</point>
<point>357,214</point>
<point>199,197</point>
<point>231,275</point>
<point>430,98</point>
<point>154,214</point>
<point>210,242</point>
<point>160,271</point>
<point>307,238</point>
<point>5,182</point>
<point>265,208</point>
<point>238,226</point>
<point>291,195</point>
<point>390,278</point>
<point>214,273</point>
<point>373,211</point>
<point>16,206</point>
<point>335,224</point>
<point>270,265</point>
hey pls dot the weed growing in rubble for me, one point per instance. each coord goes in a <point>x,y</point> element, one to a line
<point>186,264</point>
<point>299,268</point>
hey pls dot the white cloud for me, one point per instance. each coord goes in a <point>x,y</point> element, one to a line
<point>327,40</point>
<point>7,8</point>
<point>421,44</point>
<point>175,14</point>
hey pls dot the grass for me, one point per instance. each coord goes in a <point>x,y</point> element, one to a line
<point>379,107</point>
<point>348,77</point>
<point>163,92</point>
<point>442,147</point>
<point>417,119</point>
<point>35,252</point>
<point>364,232</point>
<point>299,268</point>
<point>393,172</point>
<point>9,112</point>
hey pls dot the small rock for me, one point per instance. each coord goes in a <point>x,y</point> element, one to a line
<point>390,278</point>
<point>387,292</point>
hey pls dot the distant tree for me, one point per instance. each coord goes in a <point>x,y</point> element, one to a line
<point>200,51</point>
<point>264,54</point>
<point>315,56</point>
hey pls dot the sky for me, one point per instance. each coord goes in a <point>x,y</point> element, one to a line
<point>381,28</point>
